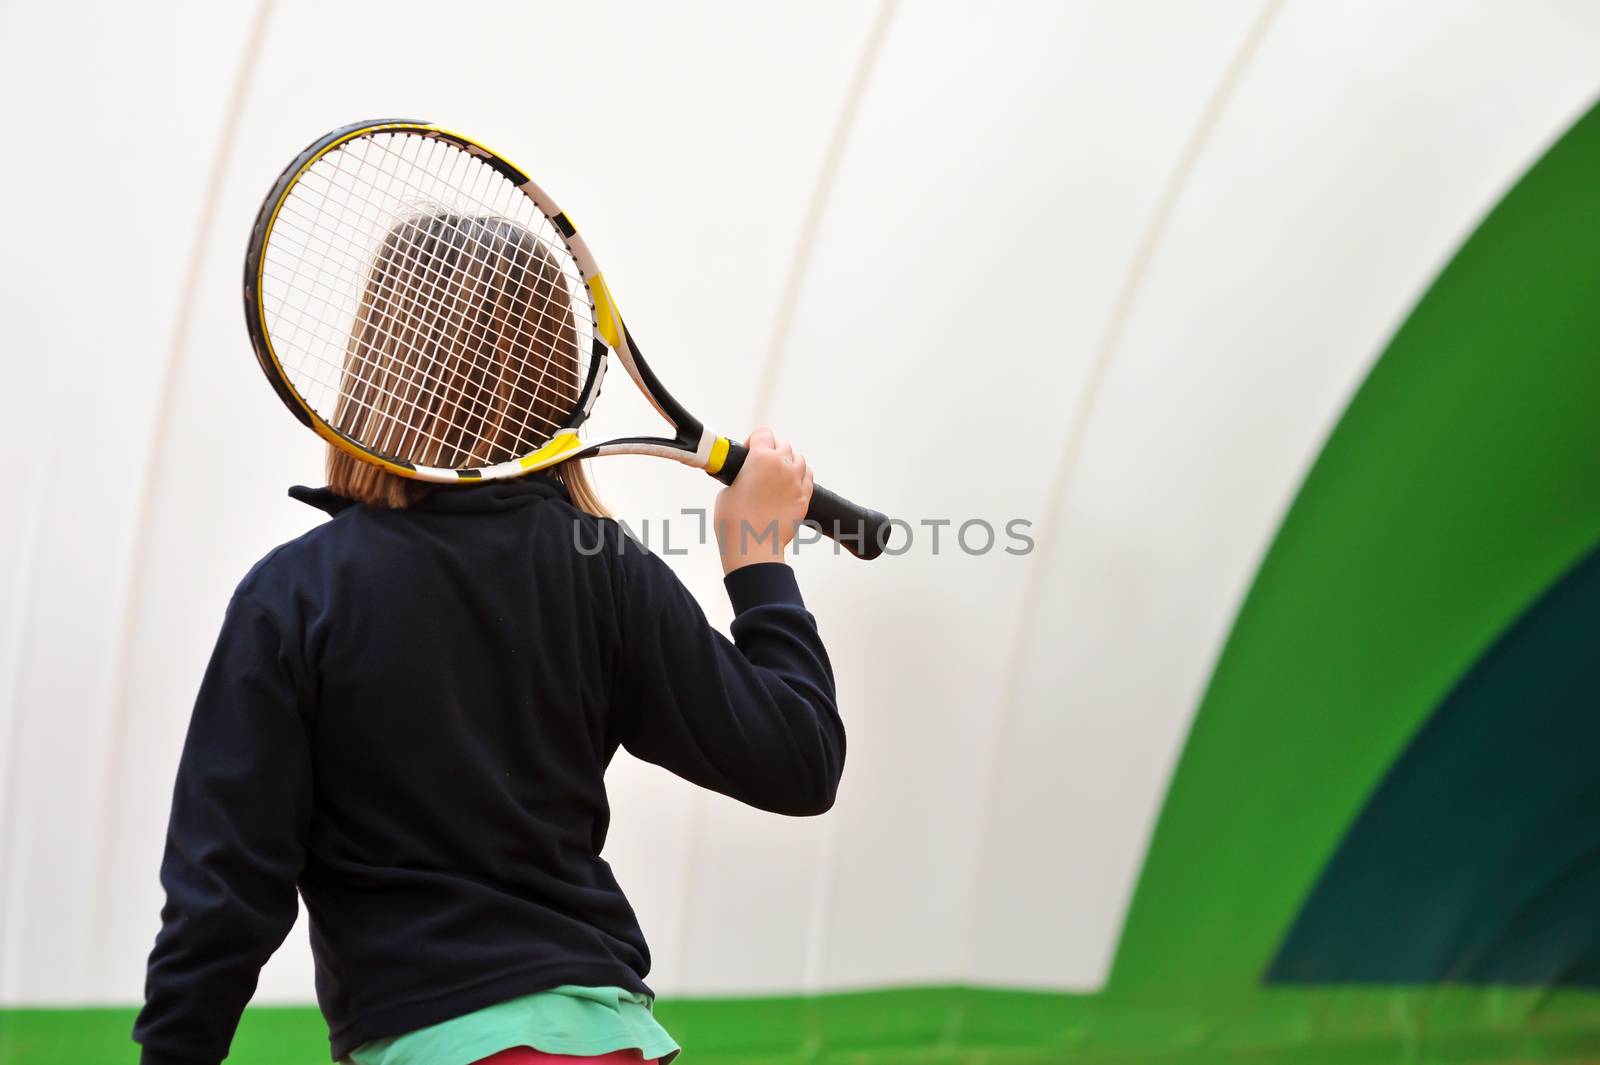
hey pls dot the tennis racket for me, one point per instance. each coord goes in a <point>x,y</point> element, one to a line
<point>418,301</point>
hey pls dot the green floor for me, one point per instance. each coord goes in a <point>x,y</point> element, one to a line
<point>944,1026</point>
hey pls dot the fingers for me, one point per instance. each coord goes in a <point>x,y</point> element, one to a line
<point>773,489</point>
<point>801,470</point>
<point>763,439</point>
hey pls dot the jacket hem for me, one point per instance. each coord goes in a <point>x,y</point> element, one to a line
<point>388,1021</point>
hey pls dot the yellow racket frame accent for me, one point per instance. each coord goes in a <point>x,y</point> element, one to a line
<point>607,320</point>
<point>552,452</point>
<point>719,455</point>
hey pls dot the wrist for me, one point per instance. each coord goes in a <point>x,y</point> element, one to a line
<point>744,543</point>
<point>734,559</point>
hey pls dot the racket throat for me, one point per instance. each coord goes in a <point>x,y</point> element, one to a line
<point>725,459</point>
<point>711,452</point>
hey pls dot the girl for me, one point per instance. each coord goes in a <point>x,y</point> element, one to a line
<point>410,709</point>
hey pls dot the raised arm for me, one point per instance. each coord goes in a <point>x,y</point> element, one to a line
<point>756,718</point>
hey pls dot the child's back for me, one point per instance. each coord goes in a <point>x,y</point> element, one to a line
<point>409,715</point>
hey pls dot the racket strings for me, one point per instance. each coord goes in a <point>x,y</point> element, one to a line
<point>573,277</point>
<point>468,410</point>
<point>432,278</point>
<point>453,317</point>
<point>465,343</point>
<point>459,360</point>
<point>394,308</point>
<point>409,375</point>
<point>359,264</point>
<point>440,295</point>
<point>435,379</point>
<point>331,377</point>
<point>384,366</point>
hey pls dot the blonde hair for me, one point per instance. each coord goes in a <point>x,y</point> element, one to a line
<point>464,353</point>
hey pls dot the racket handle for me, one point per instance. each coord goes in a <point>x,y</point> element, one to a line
<point>859,530</point>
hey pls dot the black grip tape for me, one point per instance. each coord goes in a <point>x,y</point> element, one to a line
<point>859,530</point>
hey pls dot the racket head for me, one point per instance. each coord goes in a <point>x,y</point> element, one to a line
<point>416,300</point>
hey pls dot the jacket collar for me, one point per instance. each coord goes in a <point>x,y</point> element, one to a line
<point>483,497</point>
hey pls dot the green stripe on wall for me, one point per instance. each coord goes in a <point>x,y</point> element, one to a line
<point>1462,481</point>
<point>963,1026</point>
<point>1477,859</point>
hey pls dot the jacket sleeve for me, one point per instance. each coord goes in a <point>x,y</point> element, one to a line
<point>755,719</point>
<point>235,843</point>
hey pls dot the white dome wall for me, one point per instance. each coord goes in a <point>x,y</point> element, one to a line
<point>1185,212</point>
<point>112,139</point>
<point>1360,146</point>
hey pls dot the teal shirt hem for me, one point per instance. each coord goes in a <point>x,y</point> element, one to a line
<point>583,1021</point>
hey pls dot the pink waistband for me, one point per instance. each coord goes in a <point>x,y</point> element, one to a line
<point>529,1056</point>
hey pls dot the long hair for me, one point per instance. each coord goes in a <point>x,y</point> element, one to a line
<point>464,352</point>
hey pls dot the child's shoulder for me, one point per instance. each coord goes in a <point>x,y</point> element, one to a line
<point>290,566</point>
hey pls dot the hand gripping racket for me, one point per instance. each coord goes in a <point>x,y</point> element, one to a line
<point>420,303</point>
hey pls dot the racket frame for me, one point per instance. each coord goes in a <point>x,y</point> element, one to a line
<point>690,443</point>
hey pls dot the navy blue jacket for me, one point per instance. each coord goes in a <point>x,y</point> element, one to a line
<point>408,717</point>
